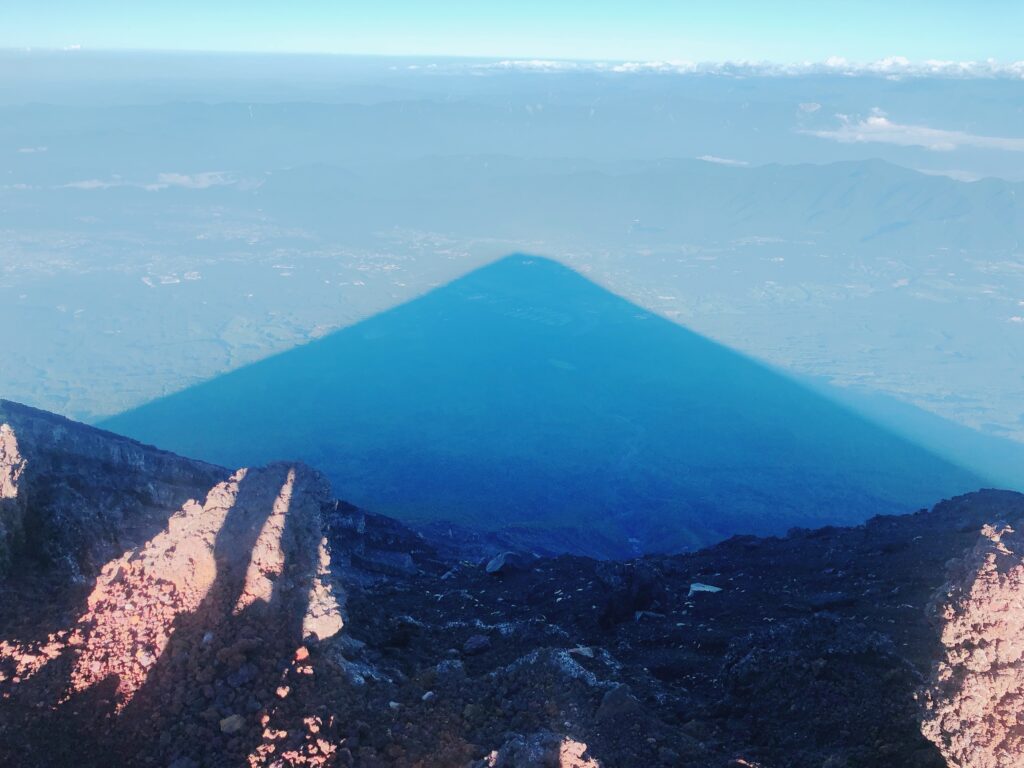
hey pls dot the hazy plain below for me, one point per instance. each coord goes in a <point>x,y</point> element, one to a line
<point>165,219</point>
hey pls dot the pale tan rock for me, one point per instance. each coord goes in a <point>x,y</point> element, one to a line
<point>12,465</point>
<point>973,705</point>
<point>13,504</point>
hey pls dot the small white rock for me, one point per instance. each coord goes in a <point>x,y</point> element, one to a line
<point>698,587</point>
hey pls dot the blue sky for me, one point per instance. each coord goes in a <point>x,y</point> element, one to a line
<point>695,30</point>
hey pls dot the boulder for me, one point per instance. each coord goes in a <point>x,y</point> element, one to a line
<point>476,644</point>
<point>232,724</point>
<point>697,588</point>
<point>617,703</point>
<point>506,562</point>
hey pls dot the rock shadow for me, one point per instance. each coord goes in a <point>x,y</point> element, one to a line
<point>217,691</point>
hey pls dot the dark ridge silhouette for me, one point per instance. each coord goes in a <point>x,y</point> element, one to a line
<point>524,394</point>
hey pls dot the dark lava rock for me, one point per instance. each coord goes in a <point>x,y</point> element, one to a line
<point>632,587</point>
<point>476,644</point>
<point>618,703</point>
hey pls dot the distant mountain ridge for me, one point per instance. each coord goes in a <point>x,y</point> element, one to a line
<point>524,395</point>
<point>848,205</point>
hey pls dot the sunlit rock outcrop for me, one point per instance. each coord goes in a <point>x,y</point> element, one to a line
<point>132,609</point>
<point>977,695</point>
<point>140,599</point>
<point>204,630</point>
<point>248,557</point>
<point>12,503</point>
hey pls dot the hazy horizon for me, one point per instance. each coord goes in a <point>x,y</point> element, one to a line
<point>729,29</point>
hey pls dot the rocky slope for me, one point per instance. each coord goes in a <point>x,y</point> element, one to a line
<point>87,495</point>
<point>189,616</point>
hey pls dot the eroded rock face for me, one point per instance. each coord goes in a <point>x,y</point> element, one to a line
<point>12,499</point>
<point>198,564</point>
<point>84,496</point>
<point>973,706</point>
<point>202,635</point>
<point>11,463</point>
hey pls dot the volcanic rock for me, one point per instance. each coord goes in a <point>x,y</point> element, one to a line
<point>506,562</point>
<point>258,602</point>
<point>12,503</point>
<point>976,695</point>
<point>232,724</point>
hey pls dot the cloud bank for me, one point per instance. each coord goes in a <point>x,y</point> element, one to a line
<point>723,160</point>
<point>891,67</point>
<point>203,180</point>
<point>880,129</point>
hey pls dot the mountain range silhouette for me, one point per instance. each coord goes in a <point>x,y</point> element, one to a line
<point>525,396</point>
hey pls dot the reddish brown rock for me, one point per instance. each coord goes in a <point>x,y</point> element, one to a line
<point>974,704</point>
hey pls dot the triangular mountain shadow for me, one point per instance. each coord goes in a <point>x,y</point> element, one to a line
<point>523,394</point>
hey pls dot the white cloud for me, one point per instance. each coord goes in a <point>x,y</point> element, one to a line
<point>722,160</point>
<point>879,128</point>
<point>31,150</point>
<point>202,180</point>
<point>534,65</point>
<point>671,67</point>
<point>192,181</point>
<point>810,107</point>
<point>889,67</point>
<point>91,184</point>
<point>952,173</point>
